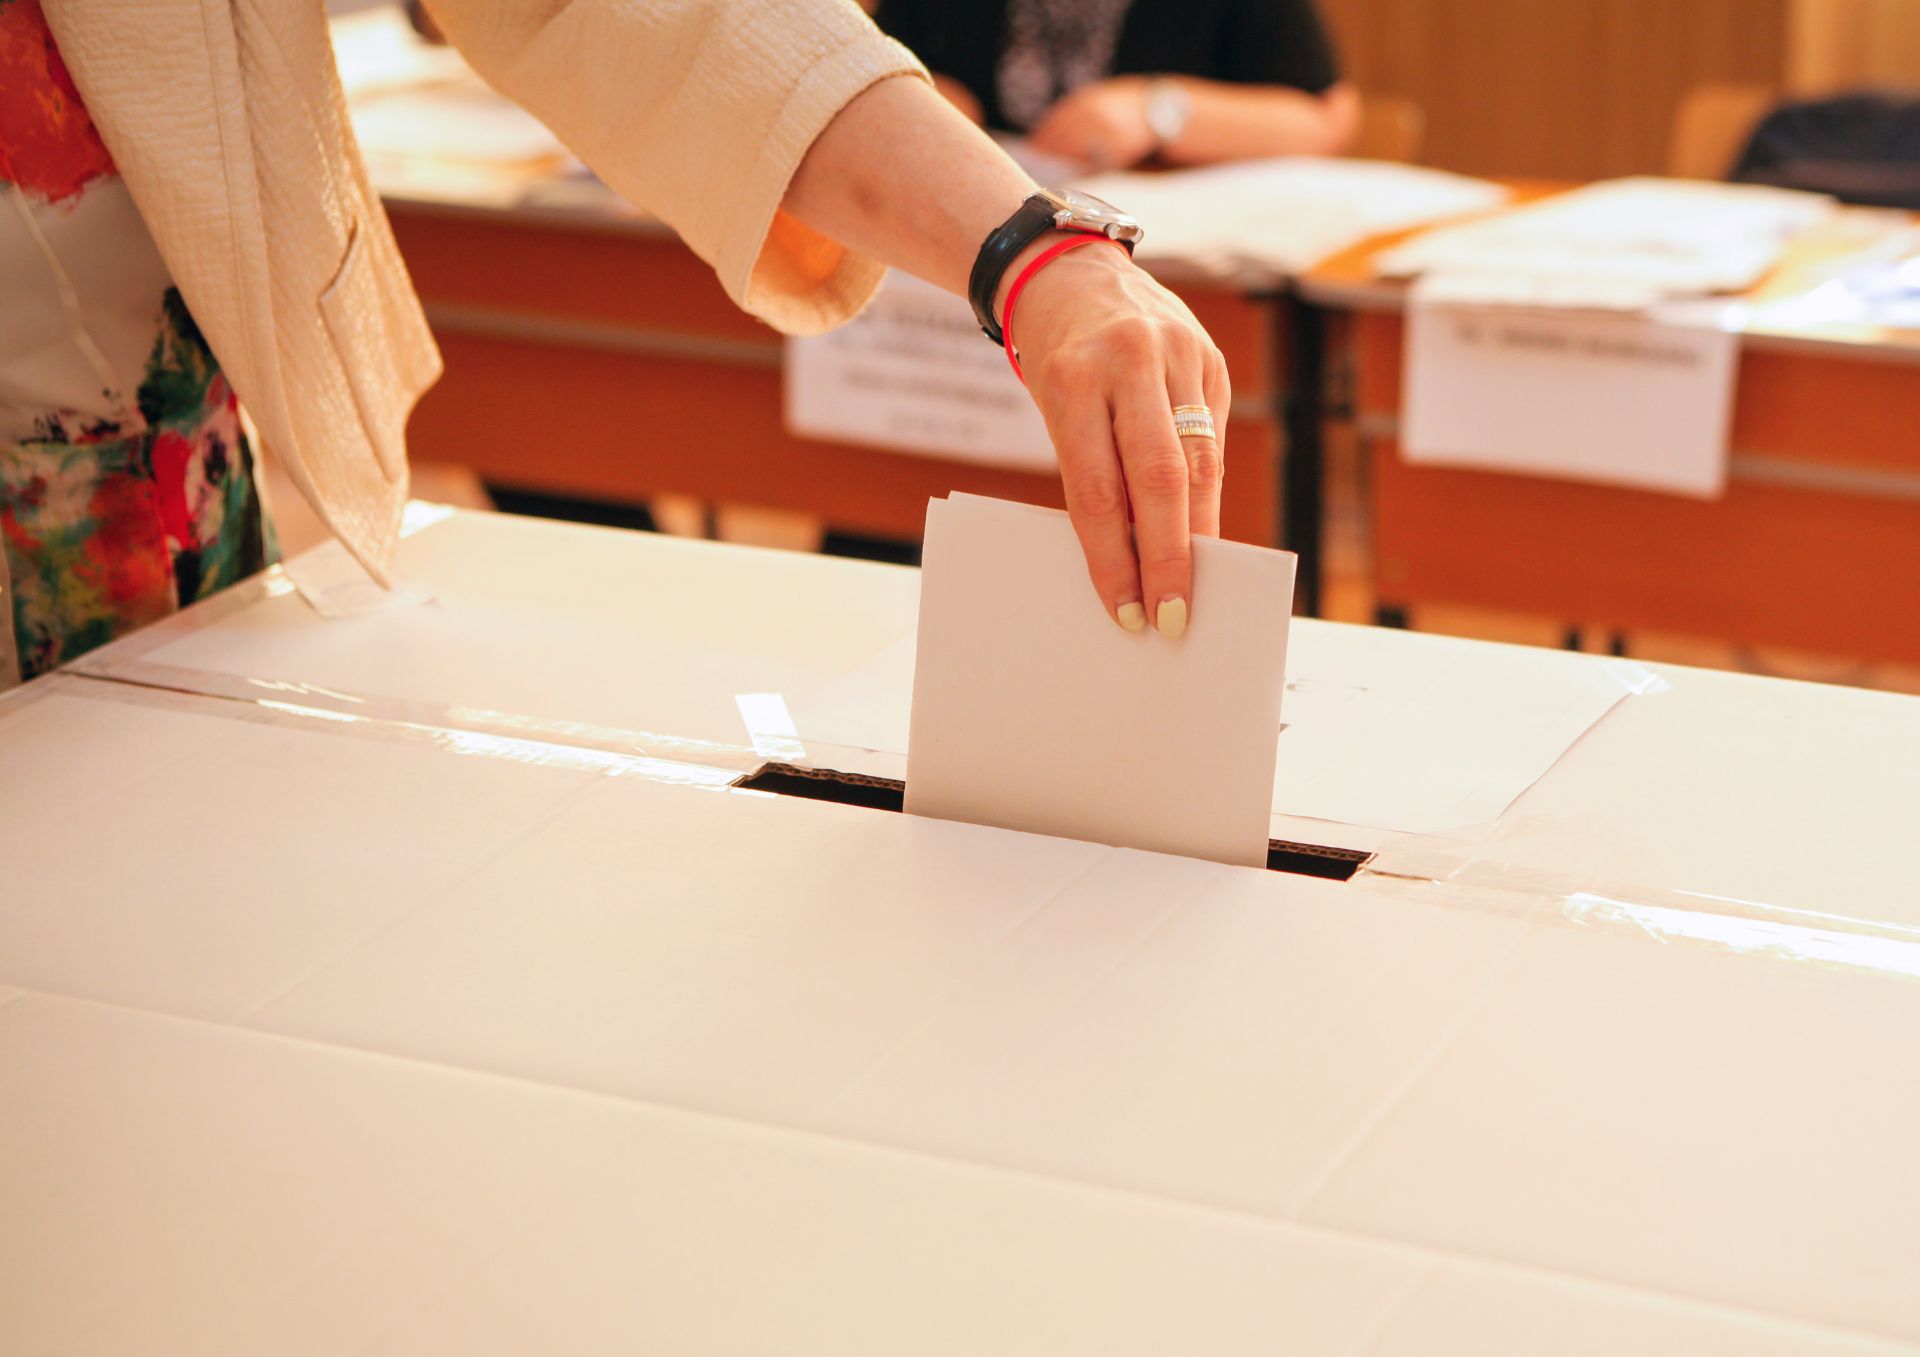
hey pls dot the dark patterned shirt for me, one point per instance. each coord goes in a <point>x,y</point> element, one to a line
<point>1018,56</point>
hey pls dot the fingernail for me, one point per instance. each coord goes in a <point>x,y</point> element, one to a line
<point>1133,617</point>
<point>1172,617</point>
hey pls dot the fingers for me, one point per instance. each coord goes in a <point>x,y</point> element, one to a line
<point>1096,496</point>
<point>1156,472</point>
<point>1202,457</point>
<point>1107,353</point>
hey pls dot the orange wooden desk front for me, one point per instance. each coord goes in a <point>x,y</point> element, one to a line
<point>603,360</point>
<point>1816,543</point>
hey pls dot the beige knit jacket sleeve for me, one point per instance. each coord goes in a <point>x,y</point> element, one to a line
<point>700,112</point>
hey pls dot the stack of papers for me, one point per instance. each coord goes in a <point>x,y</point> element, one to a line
<point>465,122</point>
<point>414,101</point>
<point>1880,287</point>
<point>1621,245</point>
<point>379,52</point>
<point>1286,214</point>
<point>1033,711</point>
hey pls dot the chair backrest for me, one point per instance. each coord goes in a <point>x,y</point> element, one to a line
<point>1712,127</point>
<point>1392,127</point>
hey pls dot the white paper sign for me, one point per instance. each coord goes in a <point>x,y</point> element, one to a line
<point>912,373</point>
<point>1621,399</point>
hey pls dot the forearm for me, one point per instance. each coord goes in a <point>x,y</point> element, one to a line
<point>902,176</point>
<point>1107,353</point>
<point>1240,122</point>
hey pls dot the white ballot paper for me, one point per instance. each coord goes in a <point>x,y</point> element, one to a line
<point>1609,397</point>
<point>1033,711</point>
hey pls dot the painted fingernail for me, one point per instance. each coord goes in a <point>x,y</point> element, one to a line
<point>1133,617</point>
<point>1172,616</point>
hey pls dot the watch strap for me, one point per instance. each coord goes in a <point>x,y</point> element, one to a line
<point>1030,220</point>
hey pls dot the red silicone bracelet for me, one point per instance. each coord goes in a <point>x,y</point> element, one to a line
<point>1040,261</point>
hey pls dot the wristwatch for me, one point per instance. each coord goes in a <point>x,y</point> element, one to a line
<point>1168,110</point>
<point>1051,209</point>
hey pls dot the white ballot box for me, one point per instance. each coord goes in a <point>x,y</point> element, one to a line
<point>507,1045</point>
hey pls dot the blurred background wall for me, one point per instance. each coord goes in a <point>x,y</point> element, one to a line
<point>1588,88</point>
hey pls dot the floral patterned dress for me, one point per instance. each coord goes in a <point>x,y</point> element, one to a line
<point>126,482</point>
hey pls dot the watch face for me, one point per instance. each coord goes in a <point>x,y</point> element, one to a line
<point>1083,212</point>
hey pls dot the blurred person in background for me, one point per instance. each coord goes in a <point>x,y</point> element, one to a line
<point>1112,83</point>
<point>190,251</point>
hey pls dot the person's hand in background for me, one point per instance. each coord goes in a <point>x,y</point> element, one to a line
<point>1107,351</point>
<point>1106,124</point>
<point>1102,125</point>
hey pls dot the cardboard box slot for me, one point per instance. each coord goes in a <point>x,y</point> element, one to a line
<point>888,793</point>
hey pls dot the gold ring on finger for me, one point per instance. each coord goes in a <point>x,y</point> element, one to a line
<point>1193,421</point>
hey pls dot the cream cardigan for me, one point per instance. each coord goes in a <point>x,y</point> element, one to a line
<point>226,120</point>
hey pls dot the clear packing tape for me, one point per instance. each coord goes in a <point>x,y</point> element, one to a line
<point>511,734</point>
<point>335,588</point>
<point>1462,869</point>
<point>1466,872</point>
<point>1406,733</point>
<point>330,704</point>
<point>290,712</point>
<point>1448,872</point>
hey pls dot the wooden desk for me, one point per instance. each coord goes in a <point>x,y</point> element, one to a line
<point>573,337</point>
<point>1816,543</point>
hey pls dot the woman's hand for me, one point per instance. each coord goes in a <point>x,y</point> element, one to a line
<point>1103,125</point>
<point>1107,353</point>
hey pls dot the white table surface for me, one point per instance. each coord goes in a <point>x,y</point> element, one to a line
<point>548,628</point>
<point>339,1035</point>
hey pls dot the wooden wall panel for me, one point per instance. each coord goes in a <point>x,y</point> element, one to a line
<point>1555,88</point>
<point>1844,43</point>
